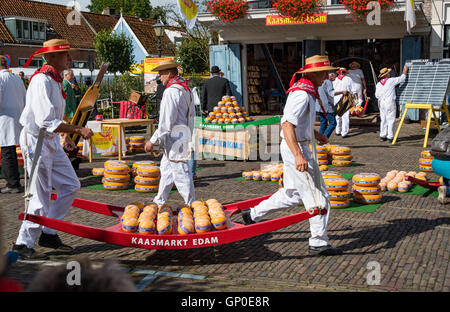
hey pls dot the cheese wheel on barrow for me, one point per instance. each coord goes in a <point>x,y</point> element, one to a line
<point>202,224</point>
<point>129,214</point>
<point>147,227</point>
<point>367,199</point>
<point>116,169</point>
<point>185,224</point>
<point>339,195</point>
<point>341,163</point>
<point>130,225</point>
<point>340,150</point>
<point>369,190</point>
<point>148,171</point>
<point>164,224</point>
<point>366,179</point>
<point>336,184</point>
<point>339,204</point>
<point>114,186</point>
<point>98,172</point>
<point>146,216</point>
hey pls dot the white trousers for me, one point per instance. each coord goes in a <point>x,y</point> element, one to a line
<point>55,171</point>
<point>297,189</point>
<point>387,116</point>
<point>343,124</point>
<point>177,173</point>
<point>357,88</point>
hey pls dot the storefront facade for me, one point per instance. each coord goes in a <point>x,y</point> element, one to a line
<point>269,53</point>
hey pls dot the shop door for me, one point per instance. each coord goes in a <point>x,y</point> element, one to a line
<point>411,50</point>
<point>228,58</point>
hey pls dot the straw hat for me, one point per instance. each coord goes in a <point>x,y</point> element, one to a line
<point>342,70</point>
<point>354,62</point>
<point>168,64</point>
<point>316,63</point>
<point>51,46</point>
<point>384,72</point>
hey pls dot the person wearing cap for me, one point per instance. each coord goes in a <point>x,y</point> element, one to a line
<point>358,81</point>
<point>214,89</point>
<point>174,134</point>
<point>302,180</point>
<point>12,103</point>
<point>342,85</point>
<point>385,93</point>
<point>44,109</point>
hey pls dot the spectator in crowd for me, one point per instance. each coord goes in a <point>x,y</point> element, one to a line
<point>440,149</point>
<point>342,85</point>
<point>214,89</point>
<point>159,92</point>
<point>77,90</point>
<point>107,278</point>
<point>24,79</point>
<point>71,102</point>
<point>327,110</point>
<point>12,103</point>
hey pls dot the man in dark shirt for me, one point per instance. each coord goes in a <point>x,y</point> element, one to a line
<point>214,89</point>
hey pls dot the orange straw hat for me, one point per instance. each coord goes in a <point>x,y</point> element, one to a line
<point>354,62</point>
<point>168,64</point>
<point>316,63</point>
<point>51,46</point>
<point>384,72</point>
<point>342,70</point>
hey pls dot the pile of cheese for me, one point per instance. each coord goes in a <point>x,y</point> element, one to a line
<point>425,161</point>
<point>228,112</point>
<point>200,217</point>
<point>395,181</point>
<point>272,173</point>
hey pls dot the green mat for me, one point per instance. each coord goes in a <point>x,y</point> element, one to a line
<point>354,164</point>
<point>129,190</point>
<point>357,207</point>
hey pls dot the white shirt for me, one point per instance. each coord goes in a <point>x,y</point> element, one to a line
<point>297,112</point>
<point>386,92</point>
<point>12,102</point>
<point>341,85</point>
<point>356,75</point>
<point>174,112</point>
<point>326,93</point>
<point>44,106</point>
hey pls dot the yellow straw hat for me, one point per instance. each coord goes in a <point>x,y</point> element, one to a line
<point>384,72</point>
<point>316,63</point>
<point>168,64</point>
<point>354,62</point>
<point>51,46</point>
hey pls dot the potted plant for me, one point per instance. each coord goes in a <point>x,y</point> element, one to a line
<point>228,10</point>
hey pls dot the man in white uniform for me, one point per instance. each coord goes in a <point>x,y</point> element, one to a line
<point>174,133</point>
<point>385,93</point>
<point>45,109</point>
<point>12,102</point>
<point>342,84</point>
<point>358,81</point>
<point>303,182</point>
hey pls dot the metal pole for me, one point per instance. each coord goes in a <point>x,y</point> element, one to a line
<point>159,47</point>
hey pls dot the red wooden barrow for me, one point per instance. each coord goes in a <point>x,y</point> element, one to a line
<point>115,235</point>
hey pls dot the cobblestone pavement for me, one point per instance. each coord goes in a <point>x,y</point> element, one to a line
<point>408,235</point>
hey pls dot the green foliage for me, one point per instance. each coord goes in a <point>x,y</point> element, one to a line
<point>138,8</point>
<point>121,86</point>
<point>193,54</point>
<point>115,49</point>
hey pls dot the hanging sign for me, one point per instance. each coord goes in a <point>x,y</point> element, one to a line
<point>279,20</point>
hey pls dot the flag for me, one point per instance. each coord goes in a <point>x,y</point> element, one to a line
<point>410,16</point>
<point>188,11</point>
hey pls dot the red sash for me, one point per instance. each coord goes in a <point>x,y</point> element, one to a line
<point>50,71</point>
<point>341,76</point>
<point>306,85</point>
<point>180,81</point>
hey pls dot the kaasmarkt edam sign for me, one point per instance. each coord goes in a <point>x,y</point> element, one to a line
<point>279,20</point>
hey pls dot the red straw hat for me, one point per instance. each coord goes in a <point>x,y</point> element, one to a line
<point>51,46</point>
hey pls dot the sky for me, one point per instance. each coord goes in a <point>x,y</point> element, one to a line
<point>85,3</point>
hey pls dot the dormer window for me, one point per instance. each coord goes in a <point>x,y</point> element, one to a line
<point>26,29</point>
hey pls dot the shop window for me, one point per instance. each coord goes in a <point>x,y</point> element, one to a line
<point>26,30</point>
<point>259,4</point>
<point>447,41</point>
<point>80,64</point>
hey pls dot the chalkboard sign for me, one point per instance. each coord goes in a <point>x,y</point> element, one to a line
<point>427,82</point>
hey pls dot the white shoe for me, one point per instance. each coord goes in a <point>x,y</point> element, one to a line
<point>442,190</point>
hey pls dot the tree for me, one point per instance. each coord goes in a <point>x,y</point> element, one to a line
<point>115,49</point>
<point>138,8</point>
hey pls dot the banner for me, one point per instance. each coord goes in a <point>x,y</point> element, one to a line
<point>410,16</point>
<point>188,11</point>
<point>279,20</point>
<point>104,140</point>
<point>225,143</point>
<point>149,74</point>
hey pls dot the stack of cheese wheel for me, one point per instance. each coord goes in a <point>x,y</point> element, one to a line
<point>116,175</point>
<point>137,144</point>
<point>202,221</point>
<point>396,181</point>
<point>341,156</point>
<point>147,218</point>
<point>366,188</point>
<point>98,172</point>
<point>164,220</point>
<point>138,164</point>
<point>130,218</point>
<point>425,161</point>
<point>227,112</point>
<point>337,189</point>
<point>322,156</point>
<point>147,179</point>
<point>19,156</point>
<point>216,214</point>
<point>185,220</point>
<point>127,143</point>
